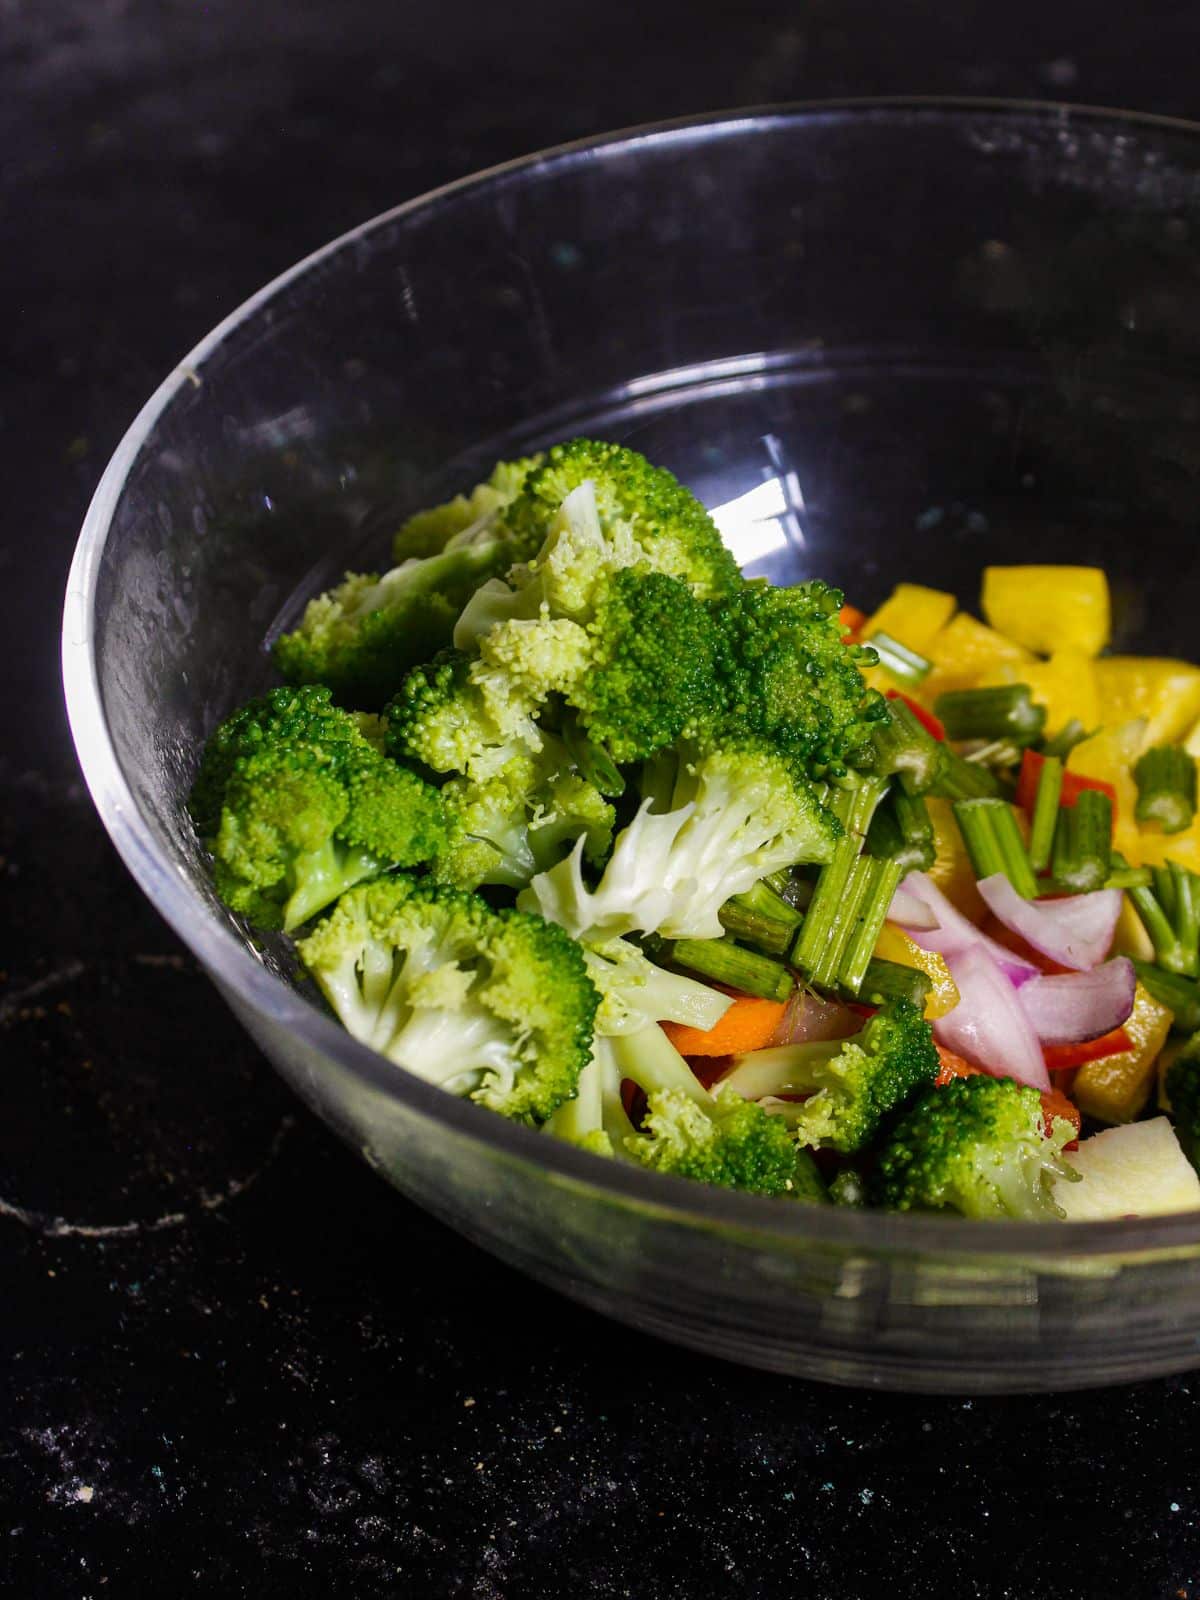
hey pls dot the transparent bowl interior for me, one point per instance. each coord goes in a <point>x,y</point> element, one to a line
<point>881,342</point>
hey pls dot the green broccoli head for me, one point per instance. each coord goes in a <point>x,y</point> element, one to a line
<point>650,678</point>
<point>785,675</point>
<point>731,1142</point>
<point>1183,1093</point>
<point>493,1005</point>
<point>711,824</point>
<point>637,503</point>
<point>853,1084</point>
<point>504,829</point>
<point>363,636</point>
<point>454,714</point>
<point>980,1147</point>
<point>297,804</point>
<point>467,516</point>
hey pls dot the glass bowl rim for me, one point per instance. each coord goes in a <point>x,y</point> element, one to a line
<point>224,957</point>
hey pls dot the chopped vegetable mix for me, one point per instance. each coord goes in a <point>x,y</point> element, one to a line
<point>738,883</point>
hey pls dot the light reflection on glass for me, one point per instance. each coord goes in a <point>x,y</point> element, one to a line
<point>764,520</point>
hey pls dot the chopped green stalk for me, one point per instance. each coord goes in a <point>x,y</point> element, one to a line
<point>964,780</point>
<point>1158,923</point>
<point>995,756</point>
<point>882,881</point>
<point>1166,781</point>
<point>848,1188</point>
<point>1045,814</point>
<point>855,801</point>
<point>890,980</point>
<point>902,831</point>
<point>1186,916</point>
<point>903,664</point>
<point>1083,843</point>
<point>722,961</point>
<point>993,840</point>
<point>1007,713</point>
<point>762,918</point>
<point>904,747</point>
<point>825,907</point>
<point>1123,876</point>
<point>1065,740</point>
<point>1180,995</point>
<point>858,886</point>
<point>1163,881</point>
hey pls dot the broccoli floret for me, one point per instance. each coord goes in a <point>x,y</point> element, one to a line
<point>634,991</point>
<point>785,675</point>
<point>363,636</point>
<point>468,516</point>
<point>494,1005</point>
<point>297,804</point>
<point>711,823</point>
<point>638,504</point>
<point>852,1084</point>
<point>506,828</point>
<point>453,716</point>
<point>686,1131</point>
<point>980,1147</point>
<point>1183,1093</point>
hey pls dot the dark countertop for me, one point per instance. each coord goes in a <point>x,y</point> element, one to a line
<point>234,1363</point>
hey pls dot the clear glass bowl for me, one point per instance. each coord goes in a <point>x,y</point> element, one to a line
<point>887,340</point>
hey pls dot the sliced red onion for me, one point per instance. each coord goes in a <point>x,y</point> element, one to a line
<point>1076,932</point>
<point>1075,1006</point>
<point>987,1026</point>
<point>910,911</point>
<point>955,933</point>
<point>809,1020</point>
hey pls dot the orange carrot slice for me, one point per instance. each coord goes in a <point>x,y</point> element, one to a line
<point>748,1025</point>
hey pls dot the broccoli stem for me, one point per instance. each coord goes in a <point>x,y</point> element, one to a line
<point>321,876</point>
<point>1045,813</point>
<point>890,980</point>
<point>722,961</point>
<point>905,748</point>
<point>1007,713</point>
<point>762,918</point>
<point>1166,782</point>
<point>1180,995</point>
<point>904,664</point>
<point>652,1062</point>
<point>901,831</point>
<point>964,780</point>
<point>1065,740</point>
<point>882,881</point>
<point>993,840</point>
<point>1083,843</point>
<point>593,763</point>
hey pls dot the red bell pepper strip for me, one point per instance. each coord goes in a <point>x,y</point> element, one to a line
<point>926,718</point>
<point>1062,1057</point>
<point>854,620</point>
<point>1073,784</point>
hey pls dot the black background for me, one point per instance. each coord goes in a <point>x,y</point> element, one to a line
<point>240,1365</point>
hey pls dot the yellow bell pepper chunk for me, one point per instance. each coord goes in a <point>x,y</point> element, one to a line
<point>1152,848</point>
<point>1049,608</point>
<point>952,870</point>
<point>895,945</point>
<point>913,615</point>
<point>1165,692</point>
<point>1116,1088</point>
<point>1131,938</point>
<point>1192,743</point>
<point>962,652</point>
<point>1065,685</point>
